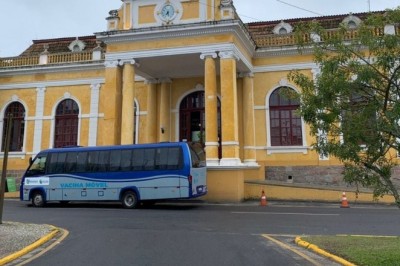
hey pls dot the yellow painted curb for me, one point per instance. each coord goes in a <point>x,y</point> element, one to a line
<point>322,252</point>
<point>31,247</point>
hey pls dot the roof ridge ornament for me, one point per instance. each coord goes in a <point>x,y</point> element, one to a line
<point>226,3</point>
<point>227,9</point>
<point>46,48</point>
<point>113,13</point>
<point>77,45</point>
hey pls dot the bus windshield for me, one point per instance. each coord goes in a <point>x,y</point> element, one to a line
<point>38,166</point>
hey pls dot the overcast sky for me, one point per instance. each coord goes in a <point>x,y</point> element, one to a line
<point>25,20</point>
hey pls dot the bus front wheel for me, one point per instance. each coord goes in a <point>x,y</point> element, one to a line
<point>129,200</point>
<point>38,199</point>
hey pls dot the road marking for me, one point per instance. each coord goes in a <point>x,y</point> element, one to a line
<point>64,235</point>
<point>283,245</point>
<point>290,213</point>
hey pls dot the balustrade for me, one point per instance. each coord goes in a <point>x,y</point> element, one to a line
<point>59,58</point>
<point>19,61</point>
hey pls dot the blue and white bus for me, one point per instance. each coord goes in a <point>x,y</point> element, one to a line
<point>128,173</point>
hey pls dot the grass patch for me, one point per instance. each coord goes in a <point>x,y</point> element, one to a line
<point>360,250</point>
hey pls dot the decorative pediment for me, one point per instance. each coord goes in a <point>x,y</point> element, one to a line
<point>351,21</point>
<point>282,28</point>
<point>77,46</point>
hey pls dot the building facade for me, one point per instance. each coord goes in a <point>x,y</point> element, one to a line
<point>172,70</point>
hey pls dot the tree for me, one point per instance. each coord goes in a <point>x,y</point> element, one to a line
<point>353,104</point>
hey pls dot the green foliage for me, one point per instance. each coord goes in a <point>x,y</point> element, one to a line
<point>353,105</point>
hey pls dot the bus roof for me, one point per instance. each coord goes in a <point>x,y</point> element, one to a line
<point>113,147</point>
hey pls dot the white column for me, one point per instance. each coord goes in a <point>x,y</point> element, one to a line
<point>94,114</point>
<point>248,120</point>
<point>151,120</point>
<point>211,108</point>
<point>128,101</point>
<point>229,109</point>
<point>37,133</point>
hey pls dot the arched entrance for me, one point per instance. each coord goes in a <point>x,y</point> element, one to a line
<point>192,118</point>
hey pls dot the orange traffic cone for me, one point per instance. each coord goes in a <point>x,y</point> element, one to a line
<point>263,201</point>
<point>345,203</point>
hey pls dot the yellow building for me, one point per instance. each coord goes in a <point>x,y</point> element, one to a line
<point>174,70</point>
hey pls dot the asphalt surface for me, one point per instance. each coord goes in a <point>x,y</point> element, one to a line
<point>18,236</point>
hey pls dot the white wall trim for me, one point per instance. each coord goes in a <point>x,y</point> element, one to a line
<point>287,149</point>
<point>285,67</point>
<point>230,162</point>
<point>53,68</point>
<point>56,83</point>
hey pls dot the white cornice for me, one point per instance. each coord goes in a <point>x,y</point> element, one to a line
<point>204,49</point>
<point>42,69</point>
<point>281,51</point>
<point>56,83</point>
<point>169,51</point>
<point>285,67</point>
<point>184,30</point>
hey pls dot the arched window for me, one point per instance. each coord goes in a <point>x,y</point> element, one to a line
<point>283,31</point>
<point>66,124</point>
<point>285,124</point>
<point>352,22</point>
<point>18,126</point>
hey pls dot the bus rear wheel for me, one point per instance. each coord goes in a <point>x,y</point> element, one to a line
<point>129,200</point>
<point>38,199</point>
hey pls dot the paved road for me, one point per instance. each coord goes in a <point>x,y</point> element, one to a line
<point>196,234</point>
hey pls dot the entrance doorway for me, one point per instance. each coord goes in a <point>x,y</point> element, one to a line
<point>192,118</point>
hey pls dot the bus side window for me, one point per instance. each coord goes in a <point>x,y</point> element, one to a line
<point>99,161</point>
<point>138,159</point>
<point>115,160</point>
<point>169,158</point>
<point>126,159</point>
<point>51,163</point>
<point>104,161</point>
<point>70,163</point>
<point>161,158</point>
<point>175,158</point>
<point>149,159</point>
<point>92,161</point>
<point>57,163</point>
<point>60,165</point>
<point>81,161</point>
